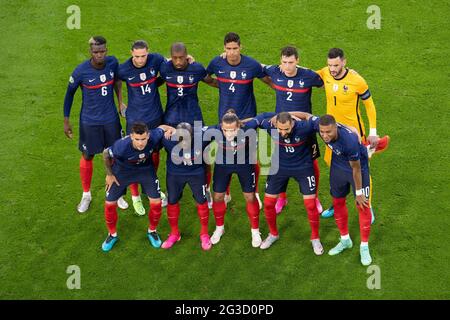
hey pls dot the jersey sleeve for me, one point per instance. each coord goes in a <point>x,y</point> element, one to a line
<point>211,69</point>
<point>74,82</point>
<point>115,151</point>
<point>321,72</point>
<point>314,123</point>
<point>362,89</point>
<point>156,135</point>
<point>352,150</point>
<point>258,70</point>
<point>201,71</point>
<point>316,79</point>
<point>269,70</point>
<point>159,59</point>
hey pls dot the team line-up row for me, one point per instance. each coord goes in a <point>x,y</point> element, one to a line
<point>134,159</point>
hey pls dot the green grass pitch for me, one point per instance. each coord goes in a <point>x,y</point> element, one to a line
<point>41,234</point>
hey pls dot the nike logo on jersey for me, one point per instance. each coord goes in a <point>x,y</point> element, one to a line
<point>168,78</point>
<point>91,80</point>
<point>280,80</point>
<point>221,71</point>
<point>129,79</point>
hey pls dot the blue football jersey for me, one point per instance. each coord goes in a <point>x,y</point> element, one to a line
<point>184,162</point>
<point>294,153</point>
<point>127,157</point>
<point>236,85</point>
<point>233,153</point>
<point>97,86</point>
<point>144,102</point>
<point>293,93</point>
<point>182,99</point>
<point>347,148</point>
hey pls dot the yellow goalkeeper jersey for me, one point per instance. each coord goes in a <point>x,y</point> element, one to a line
<point>343,97</point>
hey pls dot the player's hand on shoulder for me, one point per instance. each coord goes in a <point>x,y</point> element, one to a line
<point>190,59</point>
<point>223,55</point>
<point>273,121</point>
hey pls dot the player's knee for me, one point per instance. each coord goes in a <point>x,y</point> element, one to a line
<point>87,157</point>
<point>219,197</point>
<point>338,202</point>
<point>249,197</point>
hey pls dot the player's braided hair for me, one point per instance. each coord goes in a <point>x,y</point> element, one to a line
<point>230,116</point>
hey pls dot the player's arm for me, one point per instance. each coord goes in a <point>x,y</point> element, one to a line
<point>110,177</point>
<point>267,80</point>
<point>160,81</point>
<point>118,91</point>
<point>361,199</point>
<point>74,82</point>
<point>372,117</point>
<point>168,131</point>
<point>211,81</point>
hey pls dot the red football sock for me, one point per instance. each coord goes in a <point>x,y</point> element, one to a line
<point>271,215</point>
<point>154,214</point>
<point>365,220</point>
<point>219,209</point>
<point>341,215</point>
<point>228,188</point>
<point>86,169</point>
<point>313,217</point>
<point>257,173</point>
<point>253,213</point>
<point>111,217</point>
<point>134,189</point>
<point>173,213</point>
<point>282,195</point>
<point>203,214</point>
<point>316,175</point>
<point>155,159</point>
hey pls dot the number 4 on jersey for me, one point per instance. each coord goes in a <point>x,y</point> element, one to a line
<point>232,88</point>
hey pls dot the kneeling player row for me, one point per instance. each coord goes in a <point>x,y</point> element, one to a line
<point>129,160</point>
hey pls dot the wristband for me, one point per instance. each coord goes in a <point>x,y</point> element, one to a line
<point>359,192</point>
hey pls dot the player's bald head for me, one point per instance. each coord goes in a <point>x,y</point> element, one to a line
<point>178,47</point>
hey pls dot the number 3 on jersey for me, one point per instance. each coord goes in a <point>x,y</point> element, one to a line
<point>232,88</point>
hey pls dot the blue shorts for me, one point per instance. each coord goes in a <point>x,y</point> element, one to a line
<point>176,183</point>
<point>145,177</point>
<point>96,138</point>
<point>151,124</point>
<point>340,182</point>
<point>222,176</point>
<point>277,183</point>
